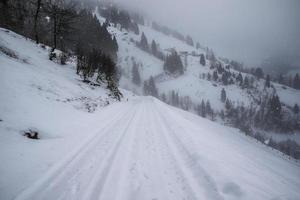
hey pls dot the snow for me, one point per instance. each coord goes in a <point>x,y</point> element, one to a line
<point>139,148</point>
<point>153,151</point>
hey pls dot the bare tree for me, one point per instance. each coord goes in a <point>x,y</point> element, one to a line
<point>62,16</point>
<point>36,18</point>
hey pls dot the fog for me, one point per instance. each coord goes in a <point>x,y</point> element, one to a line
<point>248,31</point>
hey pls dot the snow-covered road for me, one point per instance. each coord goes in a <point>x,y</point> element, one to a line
<point>148,150</point>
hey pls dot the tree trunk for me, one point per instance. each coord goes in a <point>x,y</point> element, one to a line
<point>36,16</point>
<point>54,33</point>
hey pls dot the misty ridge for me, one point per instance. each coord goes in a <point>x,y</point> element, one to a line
<point>252,32</point>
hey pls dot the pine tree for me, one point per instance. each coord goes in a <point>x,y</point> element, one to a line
<point>296,109</point>
<point>280,79</point>
<point>215,76</point>
<point>208,108</point>
<point>152,87</point>
<point>202,60</point>
<point>144,43</point>
<point>203,109</point>
<point>115,44</point>
<point>223,95</point>
<point>268,81</point>
<point>296,82</point>
<point>275,106</point>
<point>225,77</point>
<point>246,82</point>
<point>136,79</point>
<point>259,73</point>
<point>239,79</point>
<point>189,40</point>
<point>154,48</point>
<point>173,63</point>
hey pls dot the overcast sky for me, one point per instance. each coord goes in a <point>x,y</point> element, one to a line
<point>246,30</point>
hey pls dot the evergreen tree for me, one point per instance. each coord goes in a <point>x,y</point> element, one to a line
<point>173,63</point>
<point>136,78</point>
<point>150,88</point>
<point>203,109</point>
<point>275,106</point>
<point>202,60</point>
<point>208,76</point>
<point>135,28</point>
<point>259,73</point>
<point>198,45</point>
<point>154,48</point>
<point>296,109</point>
<point>225,77</point>
<point>280,79</point>
<point>223,95</point>
<point>189,40</point>
<point>239,79</point>
<point>296,82</point>
<point>246,82</point>
<point>115,44</point>
<point>215,76</point>
<point>144,43</point>
<point>208,108</point>
<point>268,81</point>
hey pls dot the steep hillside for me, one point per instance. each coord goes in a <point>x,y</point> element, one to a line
<point>39,95</point>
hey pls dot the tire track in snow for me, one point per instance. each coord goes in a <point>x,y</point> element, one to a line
<point>177,183</point>
<point>105,183</point>
<point>78,167</point>
<point>186,158</point>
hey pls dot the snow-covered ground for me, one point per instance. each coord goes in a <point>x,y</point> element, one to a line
<point>149,150</point>
<point>135,149</point>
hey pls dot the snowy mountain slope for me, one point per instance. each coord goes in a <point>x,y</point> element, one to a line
<point>135,149</point>
<point>154,151</point>
<point>190,84</point>
<point>38,94</point>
